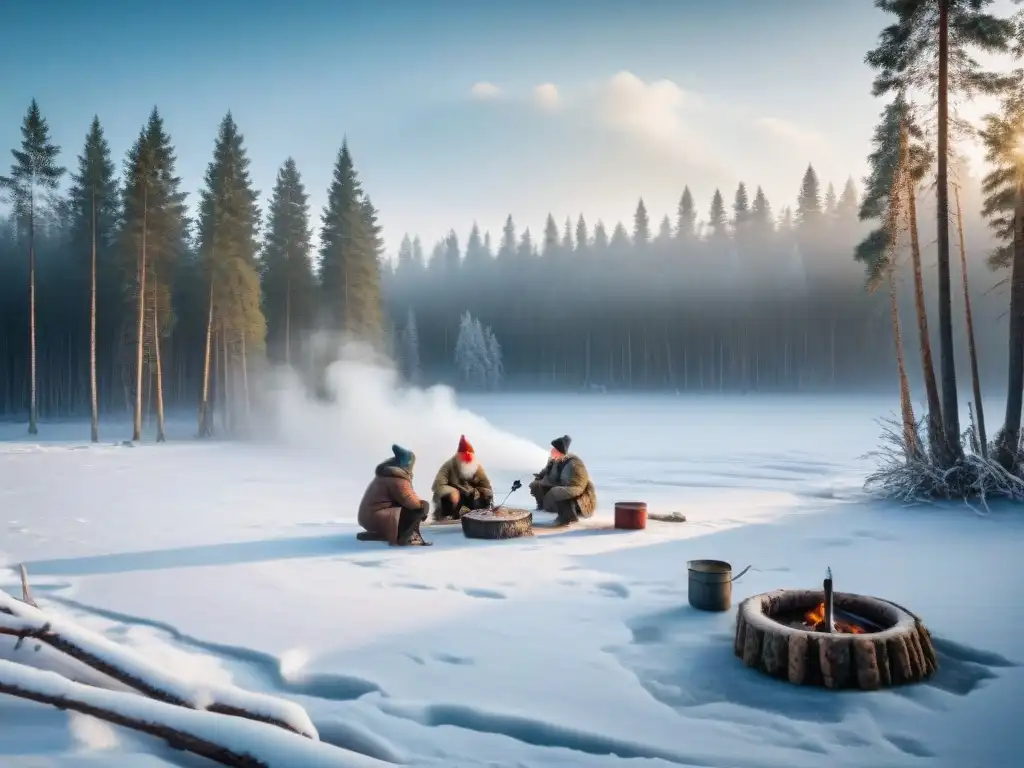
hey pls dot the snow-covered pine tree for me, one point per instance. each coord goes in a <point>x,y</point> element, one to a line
<point>471,352</point>
<point>409,349</point>
<point>495,367</point>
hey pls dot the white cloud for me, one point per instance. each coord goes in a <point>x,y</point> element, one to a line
<point>546,95</point>
<point>791,132</point>
<point>484,90</point>
<point>654,110</point>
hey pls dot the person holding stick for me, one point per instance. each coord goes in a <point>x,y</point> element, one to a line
<point>461,484</point>
<point>564,487</point>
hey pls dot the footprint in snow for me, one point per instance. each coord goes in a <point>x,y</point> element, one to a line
<point>490,594</point>
<point>614,589</point>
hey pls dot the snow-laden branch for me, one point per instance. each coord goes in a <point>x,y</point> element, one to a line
<point>130,668</point>
<point>227,740</point>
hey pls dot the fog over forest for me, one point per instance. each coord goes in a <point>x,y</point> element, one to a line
<point>733,294</point>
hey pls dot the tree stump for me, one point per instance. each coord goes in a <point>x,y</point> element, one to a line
<point>501,523</point>
<point>901,652</point>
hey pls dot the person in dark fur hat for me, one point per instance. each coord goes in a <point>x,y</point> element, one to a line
<point>461,484</point>
<point>390,510</point>
<point>564,487</point>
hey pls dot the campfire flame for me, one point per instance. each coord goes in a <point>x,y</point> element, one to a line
<point>815,619</point>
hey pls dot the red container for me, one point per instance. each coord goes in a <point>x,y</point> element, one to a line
<point>631,515</point>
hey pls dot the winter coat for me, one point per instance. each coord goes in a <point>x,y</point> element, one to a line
<point>387,494</point>
<point>570,482</point>
<point>449,479</point>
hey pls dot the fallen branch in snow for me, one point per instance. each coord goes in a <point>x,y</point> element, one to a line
<point>21,620</point>
<point>226,740</point>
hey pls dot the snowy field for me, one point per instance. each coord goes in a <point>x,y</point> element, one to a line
<point>238,563</point>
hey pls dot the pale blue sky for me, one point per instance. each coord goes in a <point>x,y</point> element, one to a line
<point>641,98</point>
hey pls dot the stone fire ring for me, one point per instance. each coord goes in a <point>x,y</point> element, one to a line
<point>901,653</point>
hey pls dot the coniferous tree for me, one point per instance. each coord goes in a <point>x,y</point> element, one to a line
<point>761,212</point>
<point>33,172</point>
<point>830,202</point>
<point>641,225</point>
<point>94,201</point>
<point>475,251</point>
<point>471,352</point>
<point>740,207</point>
<point>349,270</point>
<point>567,244</point>
<point>664,231</point>
<point>495,365</point>
<point>526,250</point>
<point>686,216</point>
<point>289,286</point>
<point>1003,206</point>
<point>896,156</point>
<point>452,254</point>
<point>847,206</point>
<point>418,259</point>
<point>941,32</point>
<point>620,238</point>
<point>154,240</point>
<point>507,249</point>
<point>488,248</point>
<point>410,349</point>
<point>550,237</point>
<point>600,237</point>
<point>582,237</point>
<point>228,228</point>
<point>808,204</point>
<point>716,216</point>
<point>405,257</point>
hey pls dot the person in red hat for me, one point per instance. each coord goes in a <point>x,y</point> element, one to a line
<point>461,484</point>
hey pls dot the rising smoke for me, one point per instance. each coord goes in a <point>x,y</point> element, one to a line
<point>370,409</point>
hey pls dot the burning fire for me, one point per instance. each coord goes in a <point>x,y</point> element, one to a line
<point>815,619</point>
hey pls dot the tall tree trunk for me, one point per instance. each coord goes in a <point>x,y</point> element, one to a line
<point>936,438</point>
<point>160,436</point>
<point>971,346</point>
<point>950,406</point>
<point>911,446</point>
<point>1009,440</point>
<point>33,414</point>
<point>93,395</point>
<point>141,323</point>
<point>288,317</point>
<point>205,420</point>
<point>245,383</point>
<point>226,381</point>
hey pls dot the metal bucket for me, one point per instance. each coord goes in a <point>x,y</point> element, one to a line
<point>710,587</point>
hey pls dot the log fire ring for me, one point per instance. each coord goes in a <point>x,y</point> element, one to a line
<point>833,639</point>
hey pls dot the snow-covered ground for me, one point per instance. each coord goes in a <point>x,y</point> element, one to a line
<point>238,563</point>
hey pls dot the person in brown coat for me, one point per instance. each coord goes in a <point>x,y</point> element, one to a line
<point>390,510</point>
<point>564,487</point>
<point>461,484</point>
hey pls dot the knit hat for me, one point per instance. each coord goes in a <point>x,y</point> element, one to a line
<point>464,445</point>
<point>403,458</point>
<point>561,444</point>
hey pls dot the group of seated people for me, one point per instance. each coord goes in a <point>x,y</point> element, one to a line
<point>392,511</point>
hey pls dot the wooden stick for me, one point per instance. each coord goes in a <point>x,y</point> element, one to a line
<point>26,593</point>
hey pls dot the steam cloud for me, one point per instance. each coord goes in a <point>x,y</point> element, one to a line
<point>372,410</point>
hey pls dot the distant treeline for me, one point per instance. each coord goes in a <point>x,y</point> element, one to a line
<point>190,298</point>
<point>732,298</point>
